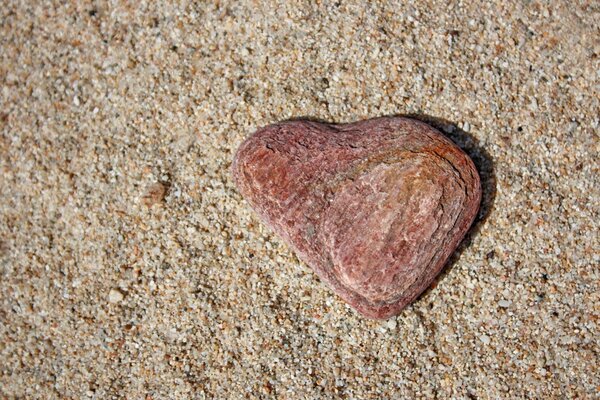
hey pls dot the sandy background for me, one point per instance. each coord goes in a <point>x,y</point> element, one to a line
<point>131,267</point>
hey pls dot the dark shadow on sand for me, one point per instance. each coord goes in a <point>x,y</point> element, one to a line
<point>485,166</point>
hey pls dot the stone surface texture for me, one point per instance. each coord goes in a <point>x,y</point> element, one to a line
<point>374,207</point>
<point>101,101</point>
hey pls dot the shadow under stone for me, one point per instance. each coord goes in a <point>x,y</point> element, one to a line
<point>485,166</point>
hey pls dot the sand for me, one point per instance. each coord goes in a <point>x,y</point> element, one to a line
<point>132,268</point>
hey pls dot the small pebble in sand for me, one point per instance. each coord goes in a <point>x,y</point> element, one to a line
<point>504,303</point>
<point>154,194</point>
<point>374,207</point>
<point>115,296</point>
<point>485,339</point>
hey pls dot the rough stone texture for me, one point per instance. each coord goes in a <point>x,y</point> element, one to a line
<point>374,207</point>
<point>99,101</point>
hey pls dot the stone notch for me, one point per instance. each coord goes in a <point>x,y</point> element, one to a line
<point>374,207</point>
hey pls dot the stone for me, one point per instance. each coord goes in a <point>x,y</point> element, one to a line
<point>154,194</point>
<point>504,303</point>
<point>485,339</point>
<point>374,207</point>
<point>115,296</point>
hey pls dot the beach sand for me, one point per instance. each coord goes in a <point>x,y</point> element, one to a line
<point>132,268</point>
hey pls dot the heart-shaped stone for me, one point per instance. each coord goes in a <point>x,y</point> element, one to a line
<point>375,207</point>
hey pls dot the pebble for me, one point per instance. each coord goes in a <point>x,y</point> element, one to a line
<point>504,303</point>
<point>375,207</point>
<point>115,296</point>
<point>485,339</point>
<point>154,194</point>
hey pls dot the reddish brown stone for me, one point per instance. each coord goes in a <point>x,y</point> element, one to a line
<point>154,194</point>
<point>374,207</point>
